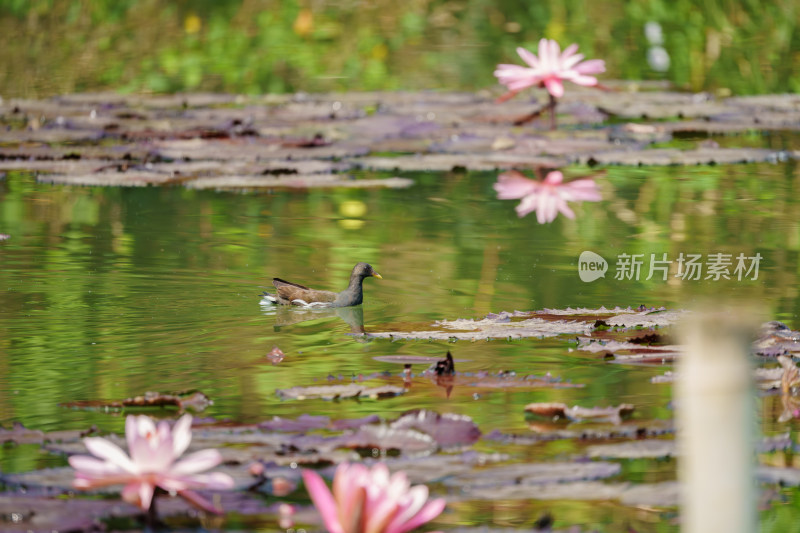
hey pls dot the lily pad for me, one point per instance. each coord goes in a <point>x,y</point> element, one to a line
<point>670,156</point>
<point>192,400</point>
<point>453,162</point>
<point>336,392</point>
<point>639,449</point>
<point>31,513</point>
<point>626,430</point>
<point>291,181</point>
<point>576,413</point>
<point>309,422</point>
<point>529,474</point>
<point>447,429</point>
<point>388,438</point>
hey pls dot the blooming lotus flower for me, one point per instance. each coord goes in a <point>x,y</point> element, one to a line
<point>370,500</point>
<point>550,69</point>
<point>546,197</point>
<point>152,463</point>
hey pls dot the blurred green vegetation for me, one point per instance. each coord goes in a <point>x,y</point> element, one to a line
<point>257,46</point>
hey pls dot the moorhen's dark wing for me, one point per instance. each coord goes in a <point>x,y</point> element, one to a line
<point>289,292</point>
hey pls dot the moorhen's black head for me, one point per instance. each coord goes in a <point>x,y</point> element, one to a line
<point>364,270</point>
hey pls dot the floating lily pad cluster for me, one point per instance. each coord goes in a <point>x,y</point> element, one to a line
<point>213,141</point>
<point>447,451</point>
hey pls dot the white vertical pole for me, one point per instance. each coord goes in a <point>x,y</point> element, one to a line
<point>715,419</point>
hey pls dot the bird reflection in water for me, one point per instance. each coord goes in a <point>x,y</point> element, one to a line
<point>287,316</point>
<point>444,373</point>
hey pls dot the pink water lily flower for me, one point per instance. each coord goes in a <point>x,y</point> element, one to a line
<point>546,197</point>
<point>550,69</point>
<point>152,463</point>
<point>368,500</point>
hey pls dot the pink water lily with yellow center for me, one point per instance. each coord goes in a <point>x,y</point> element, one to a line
<point>368,500</point>
<point>153,462</point>
<point>547,197</point>
<point>550,69</point>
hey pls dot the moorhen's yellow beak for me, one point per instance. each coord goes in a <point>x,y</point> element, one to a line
<point>376,275</point>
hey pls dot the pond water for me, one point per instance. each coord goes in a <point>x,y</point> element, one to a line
<point>106,293</point>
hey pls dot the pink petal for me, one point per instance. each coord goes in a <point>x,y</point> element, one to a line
<point>569,51</point>
<point>518,76</point>
<point>570,62</point>
<point>86,482</point>
<point>545,64</point>
<point>554,178</point>
<point>218,481</point>
<point>512,185</point>
<point>547,208</point>
<point>527,205</point>
<point>523,83</point>
<point>433,509</point>
<point>564,208</point>
<point>139,493</point>
<point>586,81</point>
<point>214,481</point>
<point>163,432</point>
<point>555,53</point>
<point>554,87</point>
<point>584,190</point>
<point>592,66</point>
<point>381,513</point>
<point>181,435</point>
<point>196,462</point>
<point>323,500</point>
<point>350,495</point>
<point>412,503</point>
<point>131,433</point>
<point>91,466</point>
<point>143,441</point>
<point>143,426</point>
<point>199,502</point>
<point>105,449</point>
<point>528,57</point>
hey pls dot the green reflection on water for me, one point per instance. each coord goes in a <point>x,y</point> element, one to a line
<point>108,293</point>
